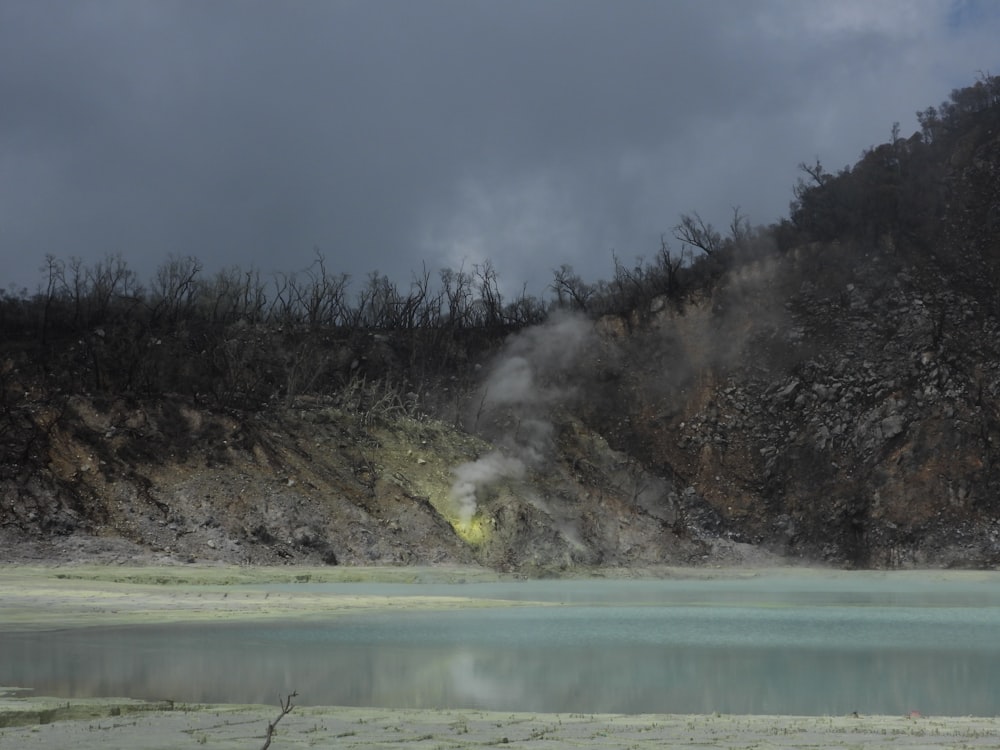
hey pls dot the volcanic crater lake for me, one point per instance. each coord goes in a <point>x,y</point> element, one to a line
<point>785,644</point>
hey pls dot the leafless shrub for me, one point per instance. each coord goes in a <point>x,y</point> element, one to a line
<point>375,401</point>
<point>286,708</point>
<point>305,364</point>
<point>175,290</point>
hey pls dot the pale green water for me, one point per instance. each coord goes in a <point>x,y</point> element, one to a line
<point>786,644</point>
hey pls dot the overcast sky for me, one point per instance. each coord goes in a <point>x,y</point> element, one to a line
<point>392,134</point>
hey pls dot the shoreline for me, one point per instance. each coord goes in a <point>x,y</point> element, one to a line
<point>51,724</point>
<point>93,595</point>
<point>39,598</point>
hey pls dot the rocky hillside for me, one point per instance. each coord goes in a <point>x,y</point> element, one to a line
<point>823,390</point>
<point>857,424</point>
<point>320,482</point>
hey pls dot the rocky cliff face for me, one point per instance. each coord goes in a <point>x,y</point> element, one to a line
<point>316,484</point>
<point>857,425</point>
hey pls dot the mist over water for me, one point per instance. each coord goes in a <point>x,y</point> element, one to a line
<point>811,646</point>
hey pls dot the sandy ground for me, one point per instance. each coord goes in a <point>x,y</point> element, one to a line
<point>104,725</point>
<point>43,597</point>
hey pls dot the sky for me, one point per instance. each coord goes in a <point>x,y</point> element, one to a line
<point>399,135</point>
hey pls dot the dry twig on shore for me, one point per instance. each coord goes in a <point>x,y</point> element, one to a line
<point>286,708</point>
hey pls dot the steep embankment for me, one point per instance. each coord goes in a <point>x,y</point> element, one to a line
<point>315,484</point>
<point>850,415</point>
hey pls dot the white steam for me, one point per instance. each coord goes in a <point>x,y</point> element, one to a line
<point>531,375</point>
<point>471,476</point>
<point>539,370</point>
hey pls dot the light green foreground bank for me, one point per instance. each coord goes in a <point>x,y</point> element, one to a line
<point>48,598</point>
<point>104,725</point>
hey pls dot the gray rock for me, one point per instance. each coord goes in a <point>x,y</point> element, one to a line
<point>892,426</point>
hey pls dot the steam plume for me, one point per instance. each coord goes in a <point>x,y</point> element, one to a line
<point>471,476</point>
<point>532,374</point>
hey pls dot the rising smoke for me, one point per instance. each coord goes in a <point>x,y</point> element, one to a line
<point>542,368</point>
<point>473,476</point>
<point>532,375</point>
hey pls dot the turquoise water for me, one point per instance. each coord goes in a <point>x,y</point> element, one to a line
<point>810,645</point>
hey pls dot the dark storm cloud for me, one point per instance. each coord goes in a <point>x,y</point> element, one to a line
<point>392,133</point>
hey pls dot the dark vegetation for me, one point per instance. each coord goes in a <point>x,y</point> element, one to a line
<point>240,343</point>
<point>240,339</point>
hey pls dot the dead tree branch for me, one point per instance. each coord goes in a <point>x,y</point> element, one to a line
<point>286,708</point>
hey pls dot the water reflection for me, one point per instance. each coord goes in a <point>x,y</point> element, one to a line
<point>778,655</point>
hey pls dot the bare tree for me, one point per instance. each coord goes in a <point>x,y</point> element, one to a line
<point>380,303</point>
<point>490,298</point>
<point>55,271</point>
<point>233,295</point>
<point>457,289</point>
<point>670,267</point>
<point>816,173</point>
<point>282,308</point>
<point>696,232</point>
<point>325,298</point>
<point>524,310</point>
<point>107,281</point>
<point>739,228</point>
<point>175,288</point>
<point>570,289</point>
<point>413,307</point>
